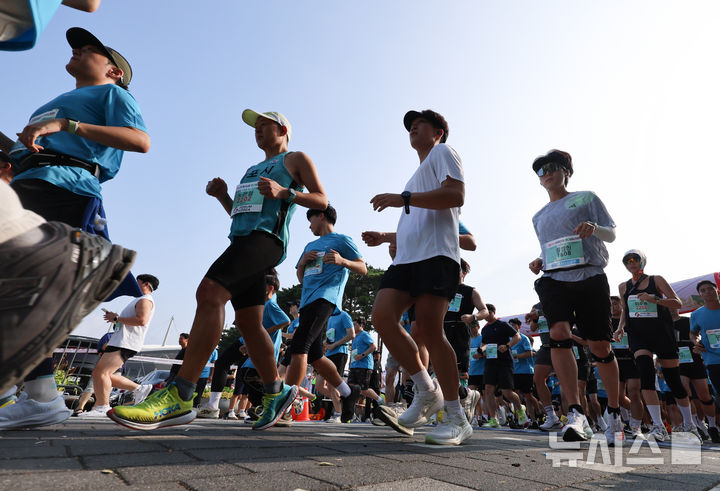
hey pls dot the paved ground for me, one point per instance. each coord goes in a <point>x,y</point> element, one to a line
<point>228,455</point>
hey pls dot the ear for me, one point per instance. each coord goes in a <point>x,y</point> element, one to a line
<point>114,73</point>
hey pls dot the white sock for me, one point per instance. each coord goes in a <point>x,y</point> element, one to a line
<point>454,409</point>
<point>634,423</point>
<point>696,419</point>
<point>550,412</point>
<point>624,413</point>
<point>686,414</point>
<point>101,408</point>
<point>214,401</point>
<point>423,381</point>
<point>344,389</point>
<point>42,389</point>
<point>9,393</point>
<point>602,423</point>
<point>654,411</point>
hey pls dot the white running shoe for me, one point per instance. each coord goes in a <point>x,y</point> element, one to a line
<point>424,405</point>
<point>551,423</point>
<point>614,434</point>
<point>693,434</point>
<point>502,416</point>
<point>27,412</point>
<point>207,412</point>
<point>335,418</point>
<point>469,403</point>
<point>658,433</point>
<point>636,433</point>
<point>231,415</point>
<point>577,428</point>
<point>452,431</point>
<point>141,393</point>
<point>97,412</point>
<point>242,414</point>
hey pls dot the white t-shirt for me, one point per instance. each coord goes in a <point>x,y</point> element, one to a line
<point>132,337</point>
<point>424,233</point>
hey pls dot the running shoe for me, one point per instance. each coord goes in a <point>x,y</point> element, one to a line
<point>141,393</point>
<point>522,419</point>
<point>658,433</point>
<point>714,434</point>
<point>231,415</point>
<point>453,431</point>
<point>691,429</point>
<point>502,416</point>
<point>97,412</point>
<point>614,434</point>
<point>47,287</point>
<point>388,416</point>
<point>577,428</point>
<point>275,405</point>
<point>335,418</point>
<point>552,423</point>
<point>286,420</point>
<point>160,409</point>
<point>469,403</point>
<point>636,433</point>
<point>253,414</point>
<point>424,405</point>
<point>241,414</point>
<point>26,413</point>
<point>348,403</point>
<point>6,401</point>
<point>207,412</point>
<point>703,431</point>
<point>492,423</point>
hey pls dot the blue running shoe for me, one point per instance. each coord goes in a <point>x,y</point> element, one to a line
<point>274,406</point>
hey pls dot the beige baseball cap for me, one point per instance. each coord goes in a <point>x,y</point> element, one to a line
<point>250,117</point>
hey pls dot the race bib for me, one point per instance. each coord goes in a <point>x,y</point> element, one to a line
<point>713,337</point>
<point>315,266</point>
<point>331,335</point>
<point>543,327</point>
<point>491,351</point>
<point>354,352</point>
<point>455,303</point>
<point>247,199</point>
<point>641,309</point>
<point>576,352</point>
<point>564,252</point>
<point>600,384</point>
<point>622,344</point>
<point>685,355</point>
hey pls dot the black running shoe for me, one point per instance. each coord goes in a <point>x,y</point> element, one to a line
<point>47,287</point>
<point>714,434</point>
<point>348,404</point>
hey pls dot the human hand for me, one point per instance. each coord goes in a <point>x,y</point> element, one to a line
<point>216,188</point>
<point>34,131</point>
<point>536,265</point>
<point>585,229</point>
<point>387,200</point>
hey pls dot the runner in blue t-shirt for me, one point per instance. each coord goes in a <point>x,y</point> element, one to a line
<point>523,372</point>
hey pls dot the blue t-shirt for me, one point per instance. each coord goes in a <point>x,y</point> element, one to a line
<point>323,280</point>
<point>405,321</point>
<point>707,323</point>
<point>361,343</point>
<point>273,315</point>
<point>600,385</point>
<point>42,11</point>
<point>523,365</point>
<point>554,385</point>
<point>293,325</point>
<point>104,105</point>
<point>206,371</point>
<point>477,367</point>
<point>462,229</point>
<point>337,327</point>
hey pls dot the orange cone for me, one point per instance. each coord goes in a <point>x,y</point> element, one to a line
<point>305,414</point>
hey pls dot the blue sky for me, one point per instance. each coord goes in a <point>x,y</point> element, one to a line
<point>628,88</point>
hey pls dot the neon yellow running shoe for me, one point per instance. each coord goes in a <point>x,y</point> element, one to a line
<point>160,409</point>
<point>492,423</point>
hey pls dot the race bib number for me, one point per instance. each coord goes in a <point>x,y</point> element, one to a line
<point>315,266</point>
<point>713,337</point>
<point>576,352</point>
<point>685,355</point>
<point>639,309</point>
<point>455,303</point>
<point>491,351</point>
<point>354,353</point>
<point>331,335</point>
<point>543,327</point>
<point>564,252</point>
<point>247,199</point>
<point>622,344</point>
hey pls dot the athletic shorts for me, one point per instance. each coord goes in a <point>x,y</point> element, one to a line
<point>360,376</point>
<point>668,398</point>
<point>628,370</point>
<point>391,363</point>
<point>125,353</point>
<point>501,376</point>
<point>695,370</point>
<point>375,382</point>
<point>477,381</point>
<point>543,357</point>
<point>51,202</point>
<point>523,382</point>
<point>340,361</point>
<point>591,384</point>
<point>585,303</point>
<point>287,356</point>
<point>308,336</point>
<point>658,341</point>
<point>458,335</point>
<point>242,267</point>
<point>439,276</point>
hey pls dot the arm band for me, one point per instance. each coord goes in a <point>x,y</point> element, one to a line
<point>606,234</point>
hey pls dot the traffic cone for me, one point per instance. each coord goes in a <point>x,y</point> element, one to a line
<point>304,414</point>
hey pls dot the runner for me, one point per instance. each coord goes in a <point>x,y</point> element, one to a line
<point>476,371</point>
<point>69,147</point>
<point>361,367</point>
<point>543,367</point>
<point>705,326</point>
<point>264,203</point>
<point>323,270</point>
<point>125,343</point>
<point>294,308</point>
<point>337,351</point>
<point>647,320</point>
<point>572,229</point>
<point>523,369</point>
<point>425,273</point>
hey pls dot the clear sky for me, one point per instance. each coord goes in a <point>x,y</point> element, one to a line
<point>629,88</point>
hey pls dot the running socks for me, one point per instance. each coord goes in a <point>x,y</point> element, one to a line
<point>186,389</point>
<point>654,411</point>
<point>686,414</point>
<point>344,389</point>
<point>550,411</point>
<point>422,381</point>
<point>274,387</point>
<point>454,408</point>
<point>42,389</point>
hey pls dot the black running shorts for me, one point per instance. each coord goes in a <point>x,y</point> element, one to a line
<point>439,276</point>
<point>501,376</point>
<point>308,336</point>
<point>360,376</point>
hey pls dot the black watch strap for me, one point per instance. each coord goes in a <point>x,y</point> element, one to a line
<point>406,200</point>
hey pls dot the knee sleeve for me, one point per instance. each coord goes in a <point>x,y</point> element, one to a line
<point>565,343</point>
<point>608,359</point>
<point>709,402</point>
<point>672,378</point>
<point>646,368</point>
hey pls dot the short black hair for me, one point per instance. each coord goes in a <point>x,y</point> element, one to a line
<point>490,307</point>
<point>615,298</point>
<point>464,266</point>
<point>434,118</point>
<point>515,321</point>
<point>360,320</point>
<point>705,282</point>
<point>559,157</point>
<point>293,302</point>
<point>271,279</point>
<point>184,335</point>
<point>148,278</point>
<point>329,212</point>
<point>4,157</point>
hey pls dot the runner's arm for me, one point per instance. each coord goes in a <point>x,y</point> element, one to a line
<point>373,239</point>
<point>349,336</point>
<point>621,324</point>
<point>303,171</point>
<point>276,327</point>
<point>84,5</point>
<point>467,242</point>
<point>354,265</point>
<point>524,354</point>
<point>120,137</point>
<point>450,194</point>
<point>218,189</point>
<point>671,299</point>
<point>143,311</point>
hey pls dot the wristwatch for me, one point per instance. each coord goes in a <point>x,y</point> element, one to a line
<point>72,125</point>
<point>406,199</point>
<point>291,195</point>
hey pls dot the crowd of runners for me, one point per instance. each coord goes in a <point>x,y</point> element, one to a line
<point>601,363</point>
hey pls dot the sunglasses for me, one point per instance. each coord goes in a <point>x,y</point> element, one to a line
<point>548,168</point>
<point>631,259</point>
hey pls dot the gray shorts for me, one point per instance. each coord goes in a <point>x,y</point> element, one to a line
<point>391,363</point>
